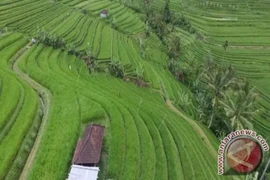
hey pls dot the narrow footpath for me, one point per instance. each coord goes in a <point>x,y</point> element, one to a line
<point>45,99</point>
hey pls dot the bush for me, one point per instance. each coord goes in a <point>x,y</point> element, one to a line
<point>49,39</point>
<point>182,22</point>
<point>116,69</point>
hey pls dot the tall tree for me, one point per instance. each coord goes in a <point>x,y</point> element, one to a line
<point>147,7</point>
<point>174,47</point>
<point>167,12</point>
<point>226,44</point>
<point>218,81</point>
<point>157,23</point>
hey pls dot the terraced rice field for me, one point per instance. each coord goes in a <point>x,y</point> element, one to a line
<point>245,25</point>
<point>48,96</point>
<point>134,130</point>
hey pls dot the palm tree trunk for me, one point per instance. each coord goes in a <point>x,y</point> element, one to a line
<point>112,34</point>
<point>211,120</point>
<point>264,171</point>
<point>212,116</point>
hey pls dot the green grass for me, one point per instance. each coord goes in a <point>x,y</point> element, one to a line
<point>20,107</point>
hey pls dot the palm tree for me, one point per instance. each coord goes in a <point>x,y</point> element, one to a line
<point>202,70</point>
<point>241,111</point>
<point>218,81</point>
<point>156,22</point>
<point>174,47</point>
<point>142,47</point>
<point>147,28</point>
<point>113,23</point>
<point>140,71</point>
<point>264,167</point>
<point>89,58</point>
<point>167,12</point>
<point>147,7</point>
<point>202,100</point>
<point>184,100</point>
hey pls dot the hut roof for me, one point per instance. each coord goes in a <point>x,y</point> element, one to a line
<point>104,11</point>
<point>88,148</point>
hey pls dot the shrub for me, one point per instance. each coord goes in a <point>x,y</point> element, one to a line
<point>49,39</point>
<point>116,69</point>
<point>181,21</point>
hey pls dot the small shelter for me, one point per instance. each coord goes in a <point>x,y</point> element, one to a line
<point>88,149</point>
<point>33,40</point>
<point>83,173</point>
<point>104,13</point>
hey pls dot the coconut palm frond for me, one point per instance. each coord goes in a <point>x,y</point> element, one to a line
<point>246,123</point>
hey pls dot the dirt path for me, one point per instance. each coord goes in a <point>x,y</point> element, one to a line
<point>45,98</point>
<point>196,127</point>
<point>249,47</point>
<point>246,47</point>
